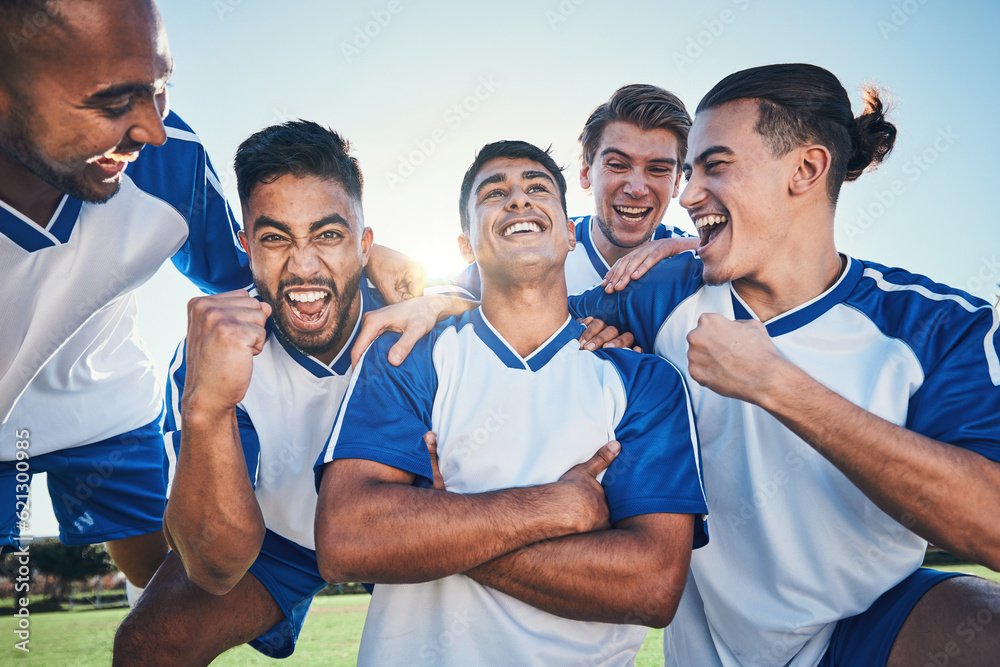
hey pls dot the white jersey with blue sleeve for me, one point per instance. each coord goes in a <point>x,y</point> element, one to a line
<point>796,546</point>
<point>504,421</point>
<point>585,266</point>
<point>72,367</point>
<point>284,420</point>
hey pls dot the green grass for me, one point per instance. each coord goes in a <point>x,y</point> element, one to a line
<point>330,636</point>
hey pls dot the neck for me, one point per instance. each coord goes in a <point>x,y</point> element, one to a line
<point>526,312</point>
<point>799,276</point>
<point>608,250</point>
<point>344,333</point>
<point>26,192</point>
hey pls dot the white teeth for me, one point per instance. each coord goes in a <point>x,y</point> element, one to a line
<point>631,210</point>
<point>305,297</point>
<point>522,227</point>
<point>709,220</point>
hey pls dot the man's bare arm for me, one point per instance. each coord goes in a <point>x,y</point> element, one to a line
<point>373,525</point>
<point>632,573</point>
<point>213,521</point>
<point>945,494</point>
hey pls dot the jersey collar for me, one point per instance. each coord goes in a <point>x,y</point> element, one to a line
<point>585,238</point>
<point>570,330</point>
<point>341,364</point>
<point>811,310</point>
<point>25,233</point>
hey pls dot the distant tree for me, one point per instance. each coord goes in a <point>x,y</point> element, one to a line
<point>69,563</point>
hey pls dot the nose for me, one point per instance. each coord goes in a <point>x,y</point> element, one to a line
<point>636,186</point>
<point>303,261</point>
<point>518,198</point>
<point>148,127</point>
<point>693,194</point>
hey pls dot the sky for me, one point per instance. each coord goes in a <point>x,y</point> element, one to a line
<point>419,86</point>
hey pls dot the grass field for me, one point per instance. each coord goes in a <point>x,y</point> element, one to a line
<point>330,635</point>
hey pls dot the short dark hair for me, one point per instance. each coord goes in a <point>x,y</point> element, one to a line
<point>514,150</point>
<point>800,104</point>
<point>645,106</point>
<point>300,148</point>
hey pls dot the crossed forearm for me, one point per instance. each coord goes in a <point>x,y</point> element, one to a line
<point>633,573</point>
<point>390,532</point>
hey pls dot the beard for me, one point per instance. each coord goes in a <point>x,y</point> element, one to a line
<point>20,147</point>
<point>610,235</point>
<point>313,343</point>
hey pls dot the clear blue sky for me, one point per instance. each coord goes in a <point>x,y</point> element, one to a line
<point>388,75</point>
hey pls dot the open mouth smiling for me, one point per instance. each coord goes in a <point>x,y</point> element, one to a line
<point>520,227</point>
<point>709,226</point>
<point>632,213</point>
<point>308,306</point>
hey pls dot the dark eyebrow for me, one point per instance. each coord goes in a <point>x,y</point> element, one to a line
<point>490,180</point>
<point>628,158</point>
<point>335,219</point>
<point>528,175</point>
<point>267,221</point>
<point>703,156</point>
<point>126,89</point>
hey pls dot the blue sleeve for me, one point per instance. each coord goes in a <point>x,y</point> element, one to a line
<point>387,411</point>
<point>645,304</point>
<point>467,284</point>
<point>959,400</point>
<point>664,232</point>
<point>180,173</point>
<point>659,467</point>
<point>172,423</point>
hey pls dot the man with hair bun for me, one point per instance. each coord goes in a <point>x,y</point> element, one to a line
<point>848,412</point>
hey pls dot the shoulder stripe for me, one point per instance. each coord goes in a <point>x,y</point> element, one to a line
<point>992,358</point>
<point>184,135</point>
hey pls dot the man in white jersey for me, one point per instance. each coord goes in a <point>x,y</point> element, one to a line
<point>516,562</point>
<point>633,146</point>
<point>252,398</point>
<point>848,412</point>
<point>99,185</point>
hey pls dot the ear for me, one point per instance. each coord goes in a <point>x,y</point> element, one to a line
<point>242,236</point>
<point>811,168</point>
<point>571,226</point>
<point>465,247</point>
<point>677,185</point>
<point>585,177</point>
<point>366,245</point>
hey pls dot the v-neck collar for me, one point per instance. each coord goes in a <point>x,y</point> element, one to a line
<point>341,364</point>
<point>570,330</point>
<point>586,238</point>
<point>25,233</point>
<point>800,316</point>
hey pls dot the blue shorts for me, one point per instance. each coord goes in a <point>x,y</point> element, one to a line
<point>290,574</point>
<point>104,491</point>
<point>867,638</point>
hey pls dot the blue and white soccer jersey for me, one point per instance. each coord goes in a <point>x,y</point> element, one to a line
<point>284,421</point>
<point>585,266</point>
<point>505,421</point>
<point>795,545</point>
<point>73,370</point>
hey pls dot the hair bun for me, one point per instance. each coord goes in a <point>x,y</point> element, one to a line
<point>872,135</point>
